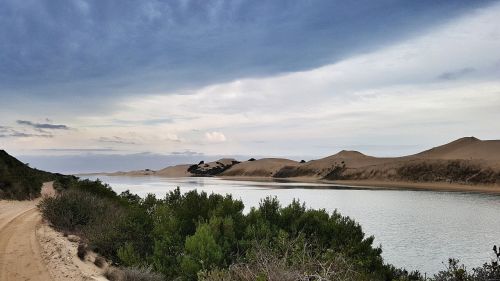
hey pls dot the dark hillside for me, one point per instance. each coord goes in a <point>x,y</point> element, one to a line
<point>18,180</point>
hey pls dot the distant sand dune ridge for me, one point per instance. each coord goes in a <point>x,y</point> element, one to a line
<point>468,160</point>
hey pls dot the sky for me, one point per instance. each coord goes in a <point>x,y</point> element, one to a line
<point>91,86</point>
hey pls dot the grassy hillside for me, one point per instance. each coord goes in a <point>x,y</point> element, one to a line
<point>18,180</point>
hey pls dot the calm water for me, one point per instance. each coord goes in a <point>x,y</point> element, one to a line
<point>417,229</point>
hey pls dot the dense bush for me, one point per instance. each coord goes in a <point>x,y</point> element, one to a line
<point>110,224</point>
<point>183,235</point>
<point>461,171</point>
<point>287,260</point>
<point>96,187</point>
<point>457,272</point>
<point>195,236</point>
<point>293,171</point>
<point>73,210</point>
<point>203,170</point>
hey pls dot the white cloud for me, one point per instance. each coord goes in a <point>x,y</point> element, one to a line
<point>215,137</point>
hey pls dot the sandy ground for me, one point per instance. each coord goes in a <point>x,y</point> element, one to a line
<point>60,256</point>
<point>31,251</point>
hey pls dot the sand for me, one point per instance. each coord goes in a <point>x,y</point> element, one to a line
<point>174,171</point>
<point>266,167</point>
<point>59,255</point>
<point>468,148</point>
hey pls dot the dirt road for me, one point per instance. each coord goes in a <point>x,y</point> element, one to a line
<point>20,257</point>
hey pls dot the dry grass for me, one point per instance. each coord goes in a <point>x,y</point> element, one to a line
<point>132,274</point>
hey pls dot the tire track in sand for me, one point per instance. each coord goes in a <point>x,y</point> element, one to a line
<point>20,258</point>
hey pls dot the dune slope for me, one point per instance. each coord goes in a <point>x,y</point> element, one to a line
<point>466,161</point>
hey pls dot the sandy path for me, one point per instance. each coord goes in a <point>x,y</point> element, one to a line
<point>32,250</point>
<point>20,257</point>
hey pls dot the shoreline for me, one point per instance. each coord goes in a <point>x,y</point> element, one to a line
<point>353,184</point>
<point>381,185</point>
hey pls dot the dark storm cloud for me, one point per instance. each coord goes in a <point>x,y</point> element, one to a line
<point>82,49</point>
<point>78,149</point>
<point>8,132</point>
<point>42,126</point>
<point>457,74</point>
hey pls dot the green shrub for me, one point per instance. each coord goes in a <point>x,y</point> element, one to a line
<point>73,210</point>
<point>94,187</point>
<point>286,260</point>
<point>201,252</point>
<point>194,236</point>
<point>127,255</point>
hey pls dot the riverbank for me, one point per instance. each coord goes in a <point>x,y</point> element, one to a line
<point>355,184</point>
<point>374,184</point>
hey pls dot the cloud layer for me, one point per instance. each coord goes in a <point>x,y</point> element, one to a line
<point>91,48</point>
<point>42,126</point>
<point>270,78</point>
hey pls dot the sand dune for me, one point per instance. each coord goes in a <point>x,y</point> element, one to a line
<point>465,161</point>
<point>469,148</point>
<point>174,171</point>
<point>266,167</point>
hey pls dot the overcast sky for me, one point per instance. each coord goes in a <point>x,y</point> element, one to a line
<point>173,81</point>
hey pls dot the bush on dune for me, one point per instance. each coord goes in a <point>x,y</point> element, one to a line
<point>287,260</point>
<point>73,210</point>
<point>195,236</point>
<point>183,235</point>
<point>96,187</point>
<point>105,220</point>
<point>461,171</point>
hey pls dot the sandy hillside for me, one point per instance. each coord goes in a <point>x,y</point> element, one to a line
<point>469,148</point>
<point>266,167</point>
<point>466,161</point>
<point>174,171</point>
<point>355,165</point>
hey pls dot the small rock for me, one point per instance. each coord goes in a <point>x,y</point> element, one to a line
<point>73,238</point>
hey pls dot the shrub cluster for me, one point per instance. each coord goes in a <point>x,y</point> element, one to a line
<point>195,236</point>
<point>461,171</point>
<point>458,272</point>
<point>203,170</point>
<point>185,235</point>
<point>287,260</point>
<point>293,171</point>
